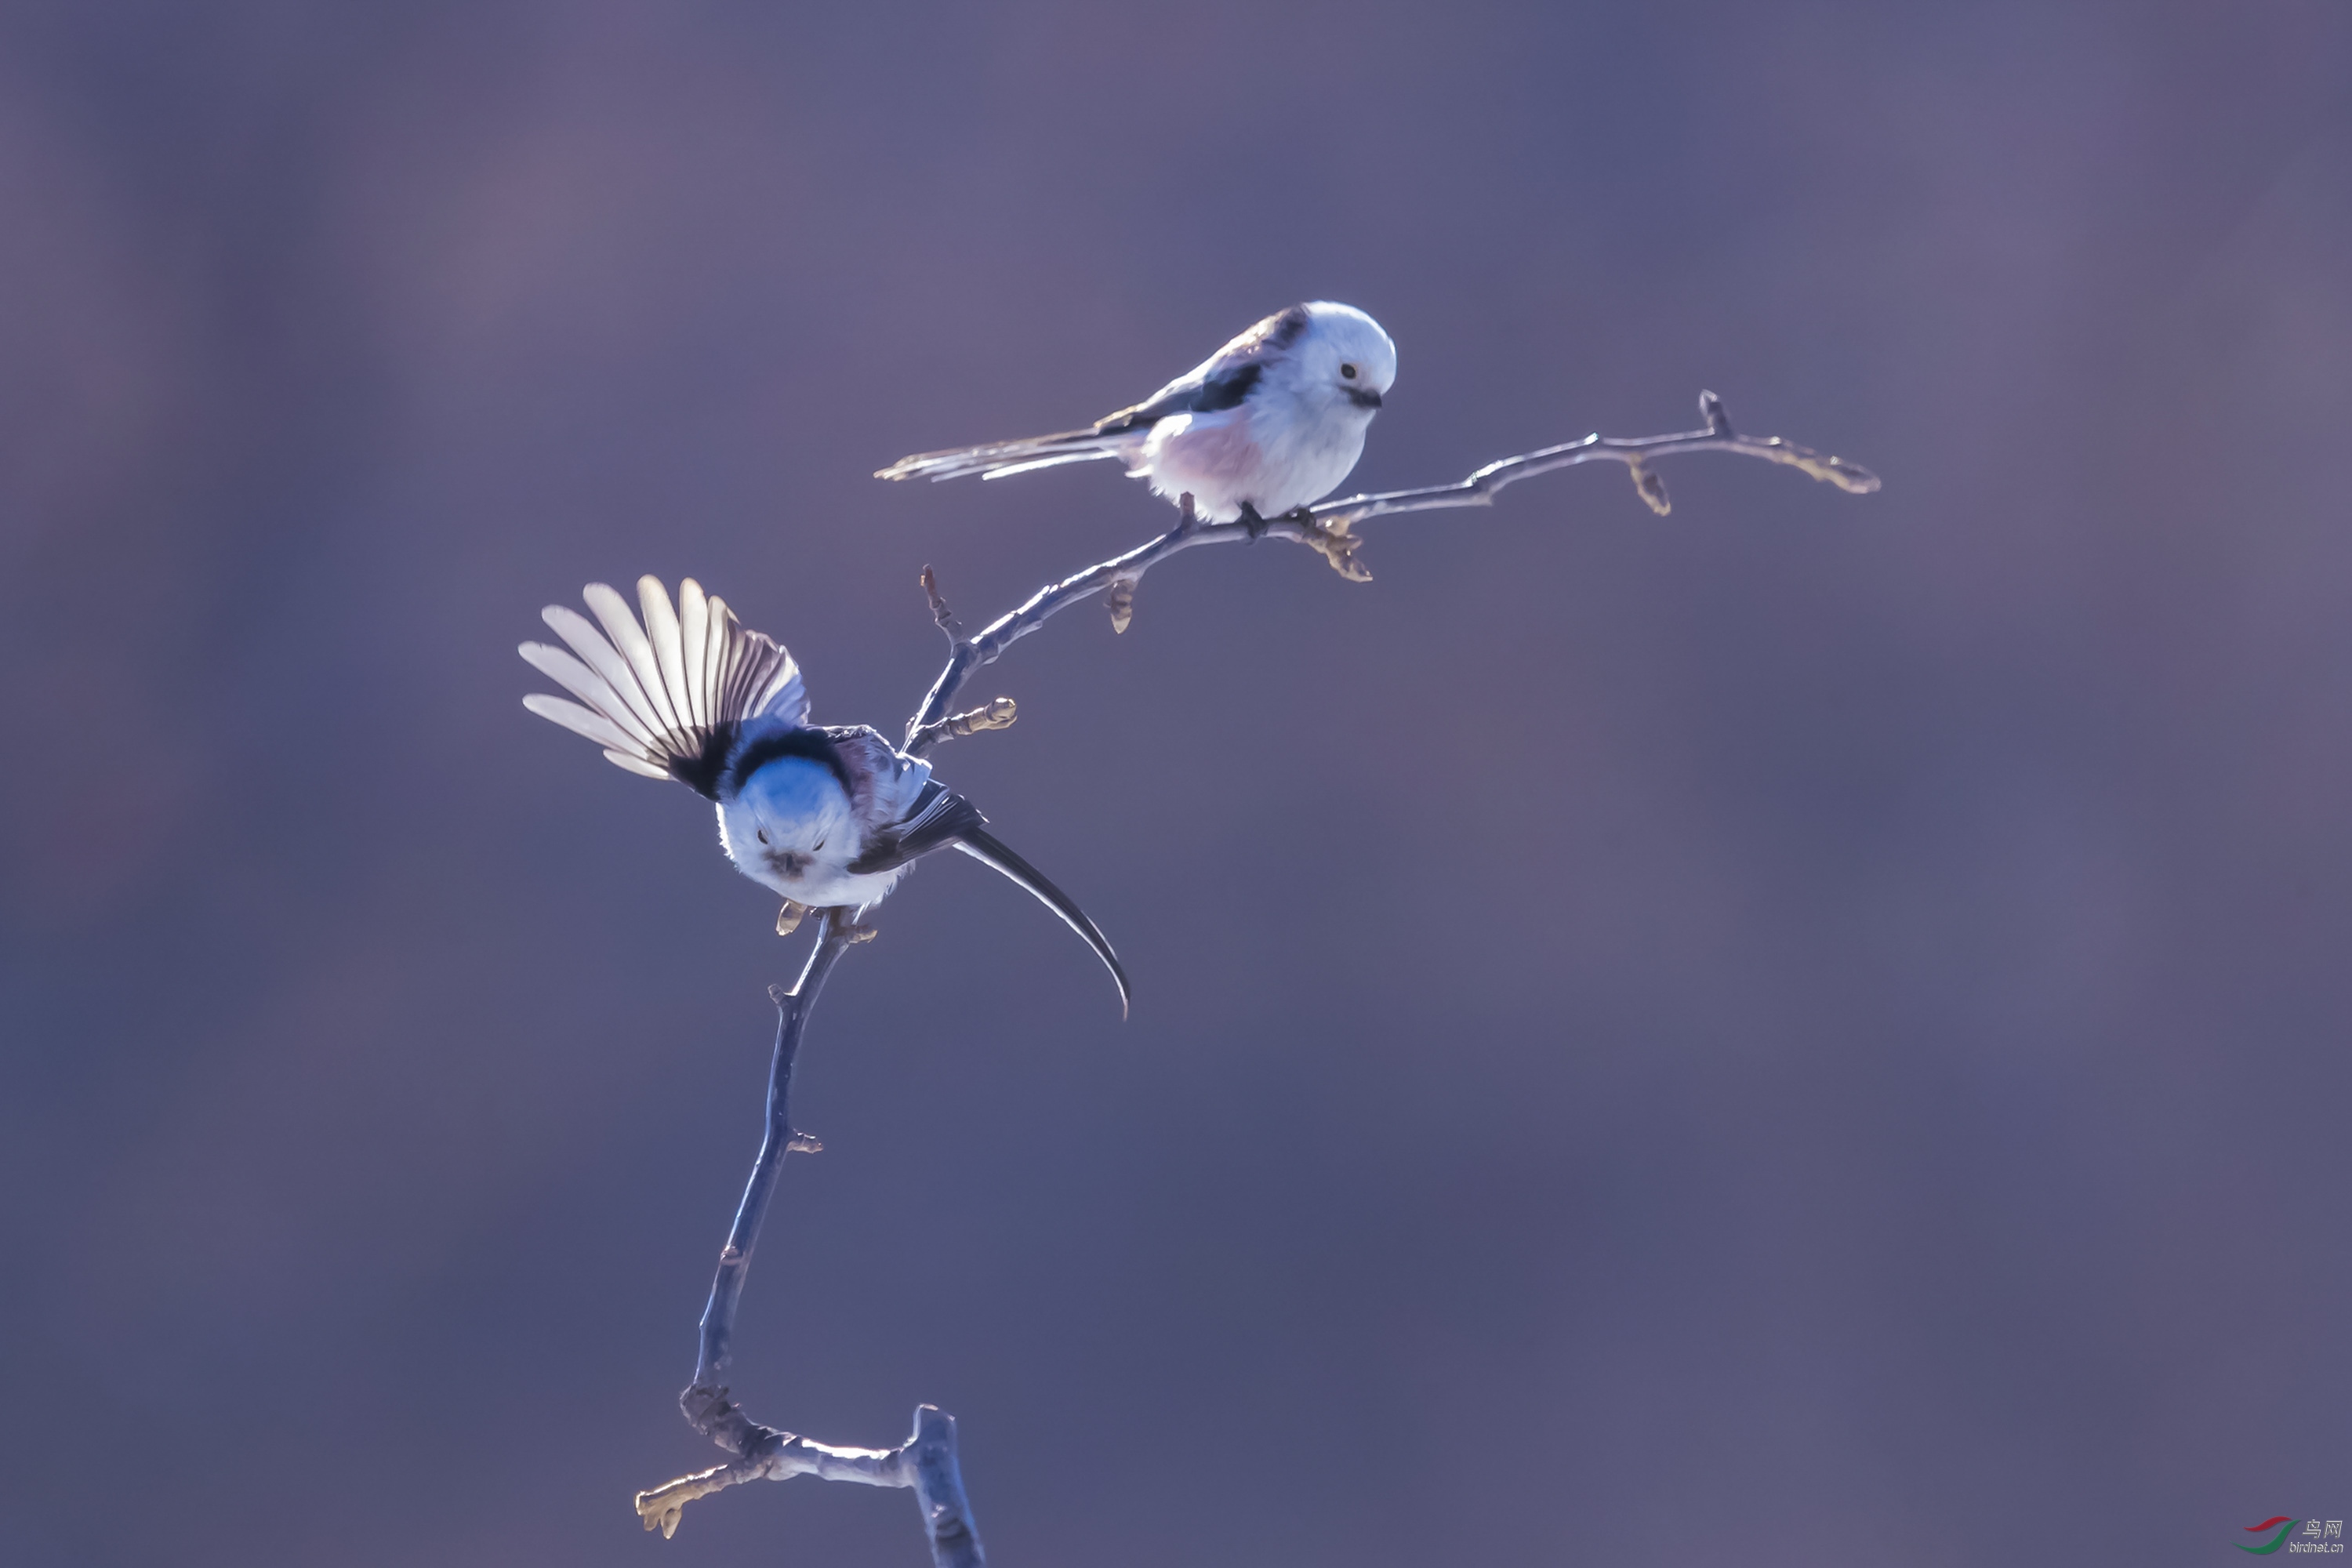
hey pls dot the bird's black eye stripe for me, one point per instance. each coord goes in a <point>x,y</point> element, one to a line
<point>1348,371</point>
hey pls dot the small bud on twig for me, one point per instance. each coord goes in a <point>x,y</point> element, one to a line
<point>789,918</point>
<point>1653,488</point>
<point>1120,598</point>
<point>1334,541</point>
<point>998,715</point>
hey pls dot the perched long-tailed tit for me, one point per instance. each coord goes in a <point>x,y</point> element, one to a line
<point>1271,421</point>
<point>826,816</point>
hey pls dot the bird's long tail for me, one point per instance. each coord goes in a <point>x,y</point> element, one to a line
<point>990,851</point>
<point>998,458</point>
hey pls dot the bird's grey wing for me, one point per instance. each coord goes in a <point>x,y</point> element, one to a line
<point>668,699</point>
<point>937,818</point>
<point>1220,382</point>
<point>885,784</point>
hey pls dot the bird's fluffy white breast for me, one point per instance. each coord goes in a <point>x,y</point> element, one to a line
<point>888,780</point>
<point>1279,449</point>
<point>1309,443</point>
<point>826,880</point>
<point>1212,457</point>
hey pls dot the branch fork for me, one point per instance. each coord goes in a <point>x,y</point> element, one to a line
<point>926,1461</point>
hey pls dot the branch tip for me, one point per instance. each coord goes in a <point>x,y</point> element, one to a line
<point>998,713</point>
<point>661,1508</point>
<point>1710,408</point>
<point>940,611</point>
<point>938,1491</point>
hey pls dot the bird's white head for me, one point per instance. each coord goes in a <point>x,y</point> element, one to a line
<point>789,816</point>
<point>1343,357</point>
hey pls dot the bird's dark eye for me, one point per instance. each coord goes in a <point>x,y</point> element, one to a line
<point>763,835</point>
<point>820,844</point>
<point>1348,371</point>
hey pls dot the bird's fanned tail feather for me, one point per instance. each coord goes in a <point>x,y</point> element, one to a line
<point>664,699</point>
<point>986,848</point>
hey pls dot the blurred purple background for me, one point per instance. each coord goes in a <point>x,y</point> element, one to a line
<point>1813,1030</point>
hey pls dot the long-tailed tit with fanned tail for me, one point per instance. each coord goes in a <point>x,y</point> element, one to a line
<point>828,817</point>
<point>1270,423</point>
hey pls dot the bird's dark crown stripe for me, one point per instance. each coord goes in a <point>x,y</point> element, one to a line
<point>1287,327</point>
<point>813,744</point>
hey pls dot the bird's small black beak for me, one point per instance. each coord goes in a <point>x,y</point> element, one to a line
<point>1363,397</point>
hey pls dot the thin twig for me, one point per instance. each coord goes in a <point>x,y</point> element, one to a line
<point>793,1009</point>
<point>940,611</point>
<point>997,713</point>
<point>1328,529</point>
<point>927,1459</point>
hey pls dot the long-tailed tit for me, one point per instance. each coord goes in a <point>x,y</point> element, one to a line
<point>1270,423</point>
<point>827,816</point>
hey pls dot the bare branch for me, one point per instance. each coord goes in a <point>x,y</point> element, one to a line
<point>779,1457</point>
<point>1479,488</point>
<point>939,1487</point>
<point>926,731</point>
<point>927,1459</point>
<point>926,1462</point>
<point>1329,530</point>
